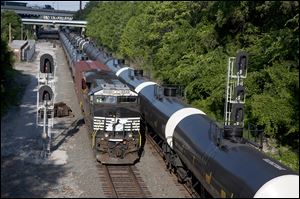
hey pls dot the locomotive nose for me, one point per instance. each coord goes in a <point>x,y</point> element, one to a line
<point>286,186</point>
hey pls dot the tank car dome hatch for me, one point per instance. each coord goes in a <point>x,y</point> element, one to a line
<point>233,133</point>
<point>131,74</point>
<point>138,73</point>
<point>158,92</point>
<point>170,91</point>
<point>121,61</point>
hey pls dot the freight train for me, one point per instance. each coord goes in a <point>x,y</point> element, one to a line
<point>110,108</point>
<point>195,146</point>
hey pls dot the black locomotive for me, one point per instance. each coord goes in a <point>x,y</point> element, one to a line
<point>110,108</point>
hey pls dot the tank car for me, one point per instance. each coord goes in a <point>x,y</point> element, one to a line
<point>47,34</point>
<point>71,49</point>
<point>110,109</point>
<point>194,145</point>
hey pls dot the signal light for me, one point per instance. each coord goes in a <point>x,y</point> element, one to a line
<point>242,63</point>
<point>46,64</point>
<point>239,93</point>
<point>237,114</point>
<point>45,93</point>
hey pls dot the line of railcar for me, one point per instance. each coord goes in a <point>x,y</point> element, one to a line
<point>110,108</point>
<point>195,146</point>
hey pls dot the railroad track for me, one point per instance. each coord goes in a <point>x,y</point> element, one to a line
<point>151,138</point>
<point>122,181</point>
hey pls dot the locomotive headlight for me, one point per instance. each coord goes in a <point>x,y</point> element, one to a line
<point>130,135</point>
<point>106,135</point>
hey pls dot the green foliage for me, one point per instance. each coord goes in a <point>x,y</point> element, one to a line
<point>111,18</point>
<point>133,42</point>
<point>287,156</point>
<point>189,42</point>
<point>82,15</point>
<point>10,17</point>
<point>9,89</point>
<point>271,112</point>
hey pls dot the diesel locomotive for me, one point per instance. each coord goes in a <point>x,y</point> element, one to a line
<point>111,109</point>
<point>195,146</point>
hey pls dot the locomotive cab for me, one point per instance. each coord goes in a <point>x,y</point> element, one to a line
<point>116,120</point>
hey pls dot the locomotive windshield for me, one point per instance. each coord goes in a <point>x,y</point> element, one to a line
<point>127,99</point>
<point>106,99</point>
<point>115,99</point>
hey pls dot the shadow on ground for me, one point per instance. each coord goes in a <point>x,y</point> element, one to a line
<point>20,179</point>
<point>23,173</point>
<point>70,132</point>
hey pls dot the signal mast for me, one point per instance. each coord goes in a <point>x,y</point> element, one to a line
<point>235,97</point>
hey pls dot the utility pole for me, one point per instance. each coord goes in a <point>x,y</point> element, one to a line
<point>9,32</point>
<point>21,31</point>
<point>27,34</point>
<point>80,5</point>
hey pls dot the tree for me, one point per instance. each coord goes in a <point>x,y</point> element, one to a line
<point>10,17</point>
<point>8,85</point>
<point>188,43</point>
<point>82,15</point>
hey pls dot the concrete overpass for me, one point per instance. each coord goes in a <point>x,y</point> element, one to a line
<point>55,22</point>
<point>49,13</point>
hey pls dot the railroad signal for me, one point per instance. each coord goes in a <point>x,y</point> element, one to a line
<point>46,64</point>
<point>237,114</point>
<point>235,91</point>
<point>242,63</point>
<point>45,94</point>
<point>239,93</point>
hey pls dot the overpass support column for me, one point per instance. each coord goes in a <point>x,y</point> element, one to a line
<point>82,31</point>
<point>21,31</point>
<point>34,30</point>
